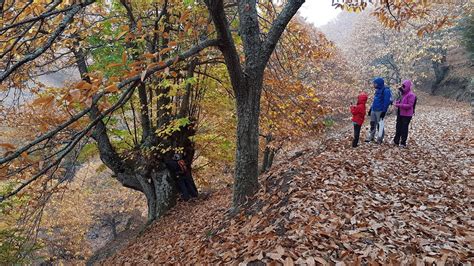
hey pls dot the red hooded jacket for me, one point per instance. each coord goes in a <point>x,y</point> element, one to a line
<point>358,111</point>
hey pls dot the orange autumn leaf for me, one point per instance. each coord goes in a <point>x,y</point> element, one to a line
<point>112,88</point>
<point>7,146</point>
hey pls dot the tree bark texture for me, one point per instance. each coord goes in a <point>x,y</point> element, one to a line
<point>247,81</point>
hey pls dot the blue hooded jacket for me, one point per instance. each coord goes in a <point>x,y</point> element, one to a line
<point>382,97</point>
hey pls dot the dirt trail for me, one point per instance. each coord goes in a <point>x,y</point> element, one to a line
<point>375,203</point>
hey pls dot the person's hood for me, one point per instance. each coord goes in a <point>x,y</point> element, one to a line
<point>362,98</point>
<point>379,83</point>
<point>407,86</point>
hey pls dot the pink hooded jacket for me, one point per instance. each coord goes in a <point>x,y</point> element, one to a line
<point>408,99</point>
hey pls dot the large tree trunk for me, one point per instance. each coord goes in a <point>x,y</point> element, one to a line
<point>144,174</point>
<point>246,159</point>
<point>158,187</point>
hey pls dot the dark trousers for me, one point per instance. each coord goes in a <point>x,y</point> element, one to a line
<point>186,187</point>
<point>403,122</point>
<point>355,142</point>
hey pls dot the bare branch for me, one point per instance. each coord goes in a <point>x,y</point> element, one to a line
<point>46,136</point>
<point>123,99</point>
<point>37,18</point>
<point>59,30</point>
<point>192,51</point>
<point>227,45</point>
<point>278,28</point>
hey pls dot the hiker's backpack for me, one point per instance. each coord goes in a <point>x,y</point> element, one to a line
<point>391,95</point>
<point>383,96</point>
<point>182,166</point>
<point>389,109</point>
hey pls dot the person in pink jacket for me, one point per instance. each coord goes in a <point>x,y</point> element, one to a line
<point>406,107</point>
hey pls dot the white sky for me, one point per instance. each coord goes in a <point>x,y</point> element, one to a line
<point>319,12</point>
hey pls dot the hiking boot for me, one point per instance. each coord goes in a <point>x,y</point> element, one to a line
<point>403,146</point>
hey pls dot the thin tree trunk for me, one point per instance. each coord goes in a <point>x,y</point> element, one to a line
<point>185,104</point>
<point>247,80</point>
<point>440,70</point>
<point>272,156</point>
<point>265,161</point>
<point>144,117</point>
<point>163,112</point>
<point>267,154</point>
<point>113,224</point>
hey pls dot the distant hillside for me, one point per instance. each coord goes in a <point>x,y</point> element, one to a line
<point>338,30</point>
<point>458,67</point>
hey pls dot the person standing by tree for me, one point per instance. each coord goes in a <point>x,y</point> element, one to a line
<point>358,116</point>
<point>382,100</point>
<point>406,109</point>
<point>179,170</point>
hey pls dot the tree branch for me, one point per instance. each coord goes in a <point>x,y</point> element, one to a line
<point>226,45</point>
<point>278,28</point>
<point>123,99</point>
<point>59,30</point>
<point>40,17</point>
<point>250,32</point>
<point>192,51</point>
<point>147,130</point>
<point>131,17</point>
<point>46,136</point>
<point>108,155</point>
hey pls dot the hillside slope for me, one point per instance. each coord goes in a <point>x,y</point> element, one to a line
<point>376,203</point>
<point>458,77</point>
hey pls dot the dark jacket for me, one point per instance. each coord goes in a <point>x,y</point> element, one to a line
<point>174,168</point>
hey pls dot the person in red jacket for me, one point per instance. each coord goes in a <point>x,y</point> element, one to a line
<point>358,116</point>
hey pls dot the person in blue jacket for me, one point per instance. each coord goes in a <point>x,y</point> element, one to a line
<point>382,100</point>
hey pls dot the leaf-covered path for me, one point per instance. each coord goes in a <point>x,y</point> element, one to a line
<point>334,204</point>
